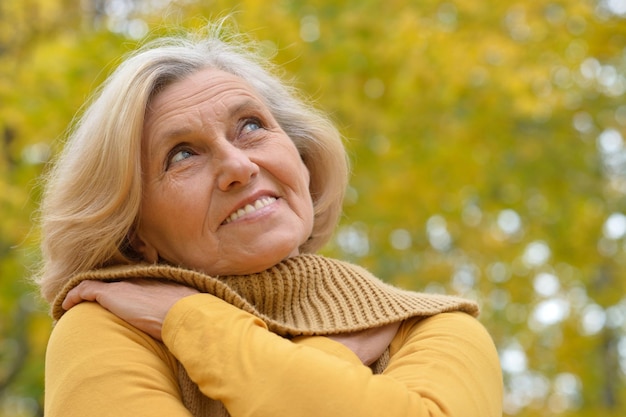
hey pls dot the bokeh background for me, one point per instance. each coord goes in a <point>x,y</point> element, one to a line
<point>487,141</point>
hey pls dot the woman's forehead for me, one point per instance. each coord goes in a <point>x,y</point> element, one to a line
<point>208,82</point>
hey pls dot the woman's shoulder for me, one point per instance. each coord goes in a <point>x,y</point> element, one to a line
<point>92,351</point>
<point>446,319</point>
<point>89,319</point>
<point>455,325</point>
<point>88,327</point>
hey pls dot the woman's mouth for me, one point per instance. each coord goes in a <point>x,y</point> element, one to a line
<point>250,208</point>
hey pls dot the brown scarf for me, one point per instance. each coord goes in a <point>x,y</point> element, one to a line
<point>303,295</point>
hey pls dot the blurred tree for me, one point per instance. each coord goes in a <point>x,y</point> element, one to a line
<point>488,147</point>
<point>49,61</point>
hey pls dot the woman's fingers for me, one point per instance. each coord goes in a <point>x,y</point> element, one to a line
<point>142,303</point>
<point>85,291</point>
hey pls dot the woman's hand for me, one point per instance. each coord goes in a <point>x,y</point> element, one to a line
<point>142,303</point>
<point>368,344</point>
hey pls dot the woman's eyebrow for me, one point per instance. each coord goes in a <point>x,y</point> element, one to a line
<point>176,133</point>
<point>246,106</point>
<point>159,145</point>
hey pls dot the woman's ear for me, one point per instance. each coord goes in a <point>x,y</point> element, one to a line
<point>142,248</point>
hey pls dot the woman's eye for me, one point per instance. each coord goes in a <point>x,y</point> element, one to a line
<point>251,125</point>
<point>179,155</point>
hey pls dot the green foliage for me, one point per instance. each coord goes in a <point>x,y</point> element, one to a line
<point>487,147</point>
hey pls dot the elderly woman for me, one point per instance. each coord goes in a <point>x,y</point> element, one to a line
<point>179,229</point>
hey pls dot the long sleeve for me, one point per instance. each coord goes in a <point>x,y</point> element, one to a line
<point>445,365</point>
<point>98,365</point>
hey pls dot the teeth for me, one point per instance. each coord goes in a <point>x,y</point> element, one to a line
<point>250,208</point>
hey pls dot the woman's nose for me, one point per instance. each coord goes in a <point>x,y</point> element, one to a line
<point>235,167</point>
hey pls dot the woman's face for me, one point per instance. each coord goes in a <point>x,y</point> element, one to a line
<point>225,190</point>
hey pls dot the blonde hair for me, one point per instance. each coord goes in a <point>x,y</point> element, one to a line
<point>93,193</point>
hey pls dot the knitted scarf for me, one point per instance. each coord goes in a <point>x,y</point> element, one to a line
<point>303,295</point>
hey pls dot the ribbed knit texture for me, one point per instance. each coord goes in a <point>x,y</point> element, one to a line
<point>303,295</point>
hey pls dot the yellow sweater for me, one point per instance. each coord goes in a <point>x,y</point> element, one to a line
<point>258,362</point>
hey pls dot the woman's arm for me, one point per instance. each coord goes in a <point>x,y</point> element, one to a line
<point>97,365</point>
<point>442,366</point>
<point>144,304</point>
